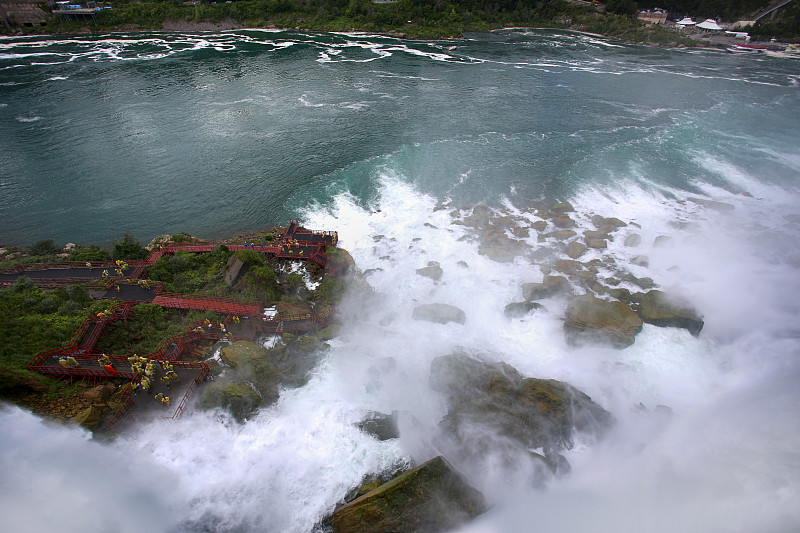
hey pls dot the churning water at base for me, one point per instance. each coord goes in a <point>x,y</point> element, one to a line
<point>392,144</point>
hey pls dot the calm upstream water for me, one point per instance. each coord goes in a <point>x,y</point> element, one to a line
<point>219,134</point>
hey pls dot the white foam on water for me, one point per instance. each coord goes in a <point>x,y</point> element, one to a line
<point>55,478</point>
<point>715,384</point>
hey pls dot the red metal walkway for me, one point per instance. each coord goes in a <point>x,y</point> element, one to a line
<point>296,243</point>
<point>226,306</point>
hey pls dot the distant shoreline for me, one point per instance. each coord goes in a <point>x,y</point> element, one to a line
<point>186,26</point>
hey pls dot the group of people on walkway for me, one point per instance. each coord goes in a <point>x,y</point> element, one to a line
<point>149,369</point>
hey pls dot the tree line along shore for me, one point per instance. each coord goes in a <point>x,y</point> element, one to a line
<point>416,19</point>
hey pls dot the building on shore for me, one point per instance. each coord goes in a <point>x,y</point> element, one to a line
<point>24,13</point>
<point>653,16</point>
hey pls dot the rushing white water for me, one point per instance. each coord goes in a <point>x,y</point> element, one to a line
<point>726,459</point>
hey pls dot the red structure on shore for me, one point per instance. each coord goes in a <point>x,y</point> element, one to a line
<point>296,243</point>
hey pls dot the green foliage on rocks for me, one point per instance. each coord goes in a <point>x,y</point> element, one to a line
<point>145,330</point>
<point>431,497</point>
<point>129,248</point>
<point>43,248</point>
<point>35,320</point>
<point>89,253</point>
<point>187,272</point>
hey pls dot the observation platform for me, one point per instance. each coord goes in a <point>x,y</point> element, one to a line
<point>245,319</point>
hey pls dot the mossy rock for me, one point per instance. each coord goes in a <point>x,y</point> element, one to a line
<point>279,353</point>
<point>659,309</point>
<point>380,426</point>
<point>562,207</point>
<point>531,412</point>
<point>590,319</point>
<point>308,343</point>
<point>252,363</point>
<point>237,398</point>
<point>430,498</point>
<point>89,417</point>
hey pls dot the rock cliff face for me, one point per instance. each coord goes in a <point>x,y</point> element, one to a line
<point>427,499</point>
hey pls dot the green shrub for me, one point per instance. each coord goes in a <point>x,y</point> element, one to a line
<point>43,248</point>
<point>129,248</point>
<point>89,253</point>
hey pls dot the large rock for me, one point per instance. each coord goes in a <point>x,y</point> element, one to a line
<point>237,398</point>
<point>563,207</point>
<point>550,286</point>
<point>432,271</point>
<point>89,417</point>
<point>13,383</point>
<point>499,247</point>
<point>251,364</point>
<point>491,400</point>
<point>575,249</point>
<point>100,393</point>
<point>520,309</point>
<point>439,313</point>
<point>590,319</point>
<point>233,273</point>
<point>633,240</point>
<point>427,499</point>
<point>658,309</point>
<point>381,426</point>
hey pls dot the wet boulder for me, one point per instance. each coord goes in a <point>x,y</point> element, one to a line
<point>520,309</point>
<point>633,240</point>
<point>251,364</point>
<point>550,286</point>
<point>89,417</point>
<point>491,400</point>
<point>659,309</point>
<point>562,207</point>
<point>592,320</point>
<point>380,425</point>
<point>439,313</point>
<point>499,247</point>
<point>239,399</point>
<point>575,249</point>
<point>430,498</point>
<point>432,271</point>
<point>100,393</point>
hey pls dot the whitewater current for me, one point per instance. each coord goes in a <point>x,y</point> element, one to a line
<point>393,143</point>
